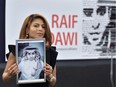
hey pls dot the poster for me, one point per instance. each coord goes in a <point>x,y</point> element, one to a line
<point>81,29</point>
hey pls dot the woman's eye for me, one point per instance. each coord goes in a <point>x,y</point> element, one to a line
<point>36,25</point>
<point>43,26</point>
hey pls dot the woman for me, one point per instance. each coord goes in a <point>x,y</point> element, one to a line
<point>34,26</point>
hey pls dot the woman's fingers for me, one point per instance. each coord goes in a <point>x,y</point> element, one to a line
<point>13,69</point>
<point>48,69</point>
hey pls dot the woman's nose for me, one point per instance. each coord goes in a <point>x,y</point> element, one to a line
<point>39,28</point>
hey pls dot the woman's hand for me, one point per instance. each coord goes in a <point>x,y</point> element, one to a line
<point>12,70</point>
<point>50,74</point>
<point>48,70</point>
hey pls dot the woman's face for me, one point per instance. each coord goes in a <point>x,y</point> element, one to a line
<point>37,29</point>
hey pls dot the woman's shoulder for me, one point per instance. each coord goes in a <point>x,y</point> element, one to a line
<point>53,49</point>
<point>11,48</point>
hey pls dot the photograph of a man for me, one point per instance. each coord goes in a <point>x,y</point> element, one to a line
<point>31,64</point>
<point>30,57</point>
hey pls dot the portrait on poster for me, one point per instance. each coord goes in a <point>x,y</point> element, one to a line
<point>30,57</point>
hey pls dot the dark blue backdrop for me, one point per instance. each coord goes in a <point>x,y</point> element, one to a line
<point>2,31</point>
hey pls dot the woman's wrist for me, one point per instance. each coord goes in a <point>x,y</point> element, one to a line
<point>6,76</point>
<point>52,80</point>
<point>49,77</point>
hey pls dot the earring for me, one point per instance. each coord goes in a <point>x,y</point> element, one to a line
<point>27,35</point>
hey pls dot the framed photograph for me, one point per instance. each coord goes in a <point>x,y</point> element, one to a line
<point>30,57</point>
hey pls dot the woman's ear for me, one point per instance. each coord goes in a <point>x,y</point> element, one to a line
<point>27,31</point>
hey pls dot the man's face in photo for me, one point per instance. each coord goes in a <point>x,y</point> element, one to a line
<point>31,54</point>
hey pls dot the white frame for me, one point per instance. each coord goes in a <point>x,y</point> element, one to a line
<point>35,43</point>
